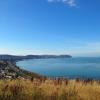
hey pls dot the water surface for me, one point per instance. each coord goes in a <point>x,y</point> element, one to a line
<point>83,67</point>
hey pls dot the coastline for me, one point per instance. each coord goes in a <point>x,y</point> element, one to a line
<point>18,72</point>
<point>9,70</point>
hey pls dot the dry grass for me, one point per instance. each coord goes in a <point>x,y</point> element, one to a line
<point>48,90</point>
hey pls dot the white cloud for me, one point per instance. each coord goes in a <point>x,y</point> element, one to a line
<point>68,2</point>
<point>51,0</point>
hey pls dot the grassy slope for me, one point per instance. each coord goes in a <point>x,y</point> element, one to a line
<point>48,90</point>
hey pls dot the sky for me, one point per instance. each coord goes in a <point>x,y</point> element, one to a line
<point>50,27</point>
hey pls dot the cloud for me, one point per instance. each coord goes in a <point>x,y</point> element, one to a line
<point>71,3</point>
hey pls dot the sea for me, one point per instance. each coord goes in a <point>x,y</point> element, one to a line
<point>75,67</point>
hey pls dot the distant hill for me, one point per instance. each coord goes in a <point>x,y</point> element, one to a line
<point>15,58</point>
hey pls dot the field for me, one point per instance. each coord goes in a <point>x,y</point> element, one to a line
<point>22,89</point>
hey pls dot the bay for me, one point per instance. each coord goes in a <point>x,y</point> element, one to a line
<point>81,67</point>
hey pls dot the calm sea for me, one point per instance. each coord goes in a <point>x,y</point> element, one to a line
<point>82,67</point>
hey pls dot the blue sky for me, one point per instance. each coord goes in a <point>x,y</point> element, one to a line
<point>50,27</point>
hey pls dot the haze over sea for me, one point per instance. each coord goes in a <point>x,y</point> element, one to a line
<point>77,67</point>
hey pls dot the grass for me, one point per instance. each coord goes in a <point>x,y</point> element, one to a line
<point>49,90</point>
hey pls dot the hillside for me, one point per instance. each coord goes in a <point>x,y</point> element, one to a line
<point>49,90</point>
<point>9,70</point>
<point>15,58</point>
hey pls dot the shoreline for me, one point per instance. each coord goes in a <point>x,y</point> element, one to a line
<point>9,70</point>
<point>82,77</point>
<point>19,72</point>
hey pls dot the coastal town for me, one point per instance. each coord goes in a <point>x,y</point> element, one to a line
<point>9,70</point>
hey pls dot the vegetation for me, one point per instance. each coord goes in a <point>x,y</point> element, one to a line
<point>9,70</point>
<point>19,84</point>
<point>46,89</point>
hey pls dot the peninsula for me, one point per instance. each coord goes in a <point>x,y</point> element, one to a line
<point>17,58</point>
